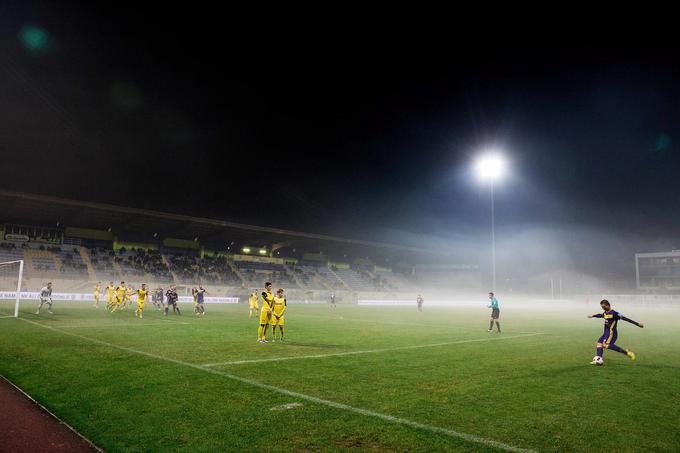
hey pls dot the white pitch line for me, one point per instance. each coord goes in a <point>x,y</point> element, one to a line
<point>367,351</point>
<point>357,410</point>
<point>284,407</point>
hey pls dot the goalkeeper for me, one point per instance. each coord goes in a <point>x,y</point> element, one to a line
<point>45,298</point>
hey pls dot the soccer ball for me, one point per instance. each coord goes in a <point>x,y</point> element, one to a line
<point>597,360</point>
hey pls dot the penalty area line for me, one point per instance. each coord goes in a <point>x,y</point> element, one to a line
<point>356,410</point>
<point>368,351</point>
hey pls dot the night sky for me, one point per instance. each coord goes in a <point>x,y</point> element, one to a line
<point>339,129</point>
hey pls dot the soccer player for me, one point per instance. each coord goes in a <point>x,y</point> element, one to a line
<point>120,296</point>
<point>495,313</point>
<point>200,297</point>
<point>194,294</point>
<point>110,293</point>
<point>45,298</point>
<point>127,301</point>
<point>278,309</point>
<point>141,300</point>
<point>171,297</point>
<point>96,294</point>
<point>265,313</point>
<point>333,300</point>
<point>608,338</point>
<point>252,300</point>
<point>157,298</point>
<point>419,301</point>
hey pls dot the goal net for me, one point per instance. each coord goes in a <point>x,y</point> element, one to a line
<point>11,273</point>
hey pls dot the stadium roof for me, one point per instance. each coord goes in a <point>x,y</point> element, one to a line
<point>43,210</point>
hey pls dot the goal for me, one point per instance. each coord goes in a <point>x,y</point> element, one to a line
<point>11,273</point>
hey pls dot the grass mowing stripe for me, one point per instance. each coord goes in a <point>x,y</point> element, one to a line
<point>368,351</point>
<point>396,323</point>
<point>357,410</point>
<point>117,325</point>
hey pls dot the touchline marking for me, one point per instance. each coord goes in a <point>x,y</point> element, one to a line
<point>357,410</point>
<point>51,414</point>
<point>369,351</point>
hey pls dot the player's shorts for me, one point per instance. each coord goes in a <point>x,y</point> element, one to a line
<point>44,300</point>
<point>254,306</point>
<point>607,338</point>
<point>495,313</point>
<point>109,299</point>
<point>140,305</point>
<point>118,300</point>
<point>96,296</point>
<point>276,322</point>
<point>264,317</point>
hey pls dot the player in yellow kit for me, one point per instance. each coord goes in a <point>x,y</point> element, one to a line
<point>128,297</point>
<point>110,294</point>
<point>265,313</point>
<point>252,300</point>
<point>141,300</point>
<point>120,296</point>
<point>194,294</point>
<point>96,294</point>
<point>278,309</point>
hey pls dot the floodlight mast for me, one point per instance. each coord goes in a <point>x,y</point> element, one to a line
<point>490,167</point>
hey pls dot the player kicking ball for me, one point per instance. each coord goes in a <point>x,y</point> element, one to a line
<point>45,298</point>
<point>608,338</point>
<point>278,310</point>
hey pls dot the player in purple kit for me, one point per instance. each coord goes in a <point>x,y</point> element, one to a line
<point>200,295</point>
<point>608,338</point>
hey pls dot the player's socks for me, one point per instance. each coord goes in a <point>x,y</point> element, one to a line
<point>259,333</point>
<point>613,347</point>
<point>491,326</point>
<point>599,352</point>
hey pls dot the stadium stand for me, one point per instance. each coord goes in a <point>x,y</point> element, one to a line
<point>98,242</point>
<point>207,270</point>
<point>102,262</point>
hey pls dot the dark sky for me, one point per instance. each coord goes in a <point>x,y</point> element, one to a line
<point>339,127</point>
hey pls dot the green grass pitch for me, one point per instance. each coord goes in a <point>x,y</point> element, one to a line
<point>365,378</point>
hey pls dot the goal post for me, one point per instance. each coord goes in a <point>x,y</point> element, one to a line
<point>11,276</point>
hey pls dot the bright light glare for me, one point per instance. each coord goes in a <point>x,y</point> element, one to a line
<point>490,167</point>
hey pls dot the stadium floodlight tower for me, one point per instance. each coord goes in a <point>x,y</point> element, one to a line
<point>490,167</point>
